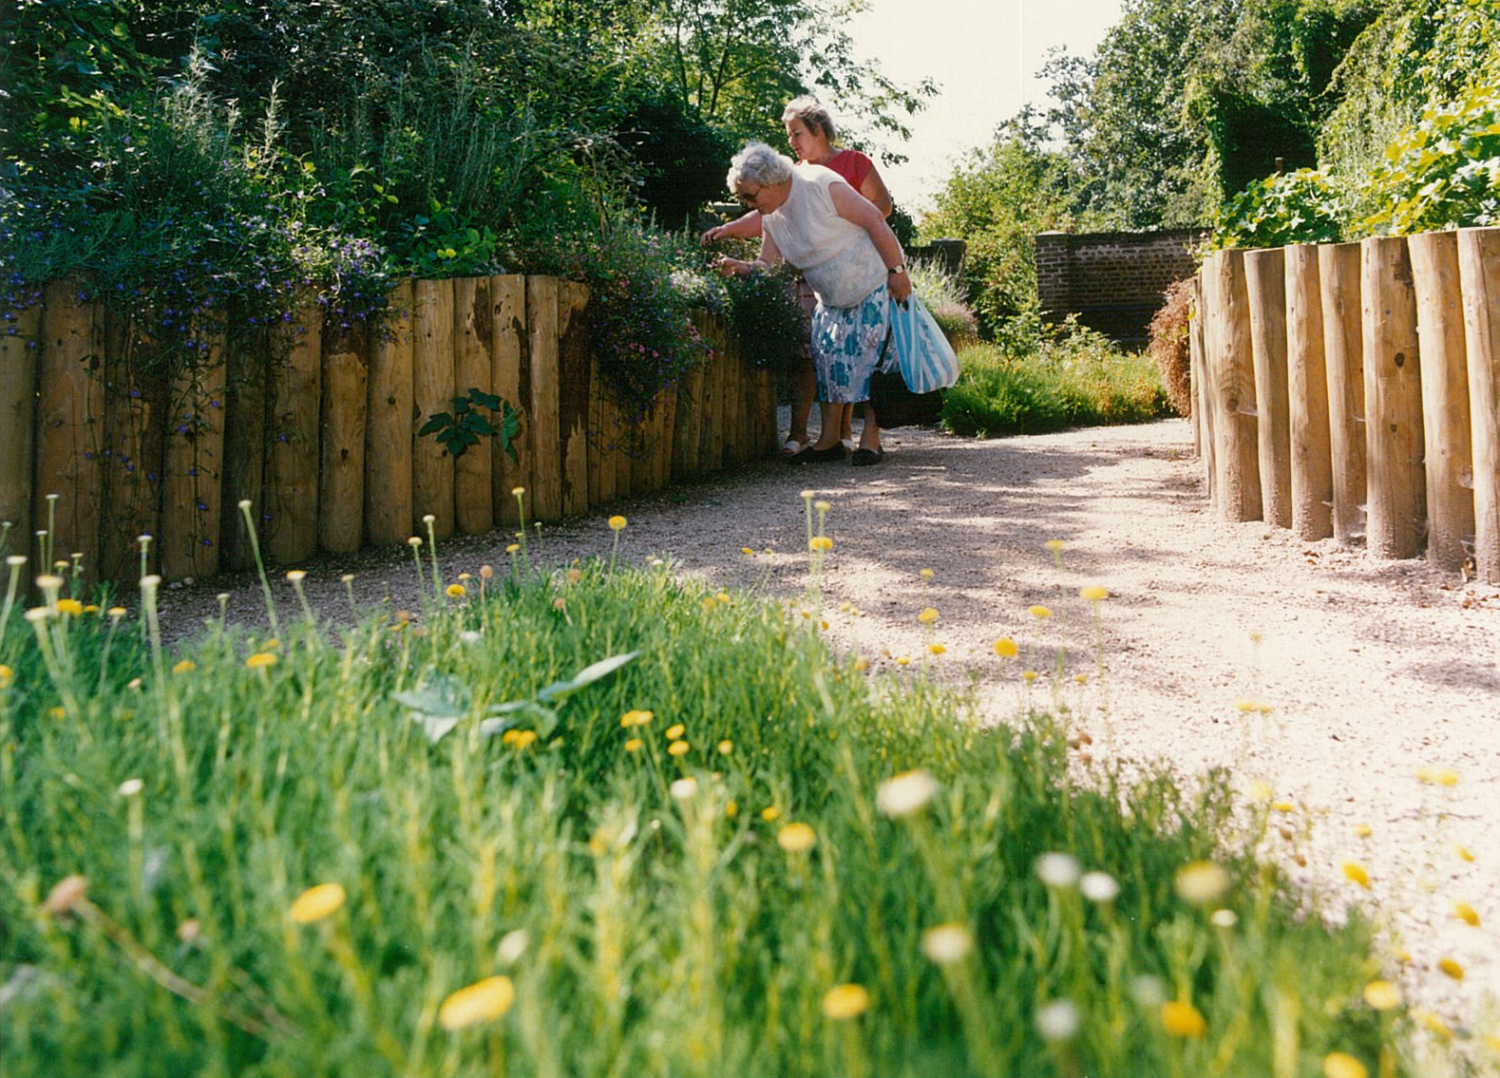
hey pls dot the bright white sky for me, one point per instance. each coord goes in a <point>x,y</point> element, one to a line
<point>984,54</point>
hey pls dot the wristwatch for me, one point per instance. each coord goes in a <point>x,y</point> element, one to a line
<point>897,270</point>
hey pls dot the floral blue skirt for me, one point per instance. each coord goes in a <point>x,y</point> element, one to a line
<point>846,344</point>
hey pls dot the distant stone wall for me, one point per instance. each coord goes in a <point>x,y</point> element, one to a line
<point>1113,281</point>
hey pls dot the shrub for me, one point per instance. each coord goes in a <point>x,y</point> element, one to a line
<point>1292,207</point>
<point>943,292</point>
<point>1170,345</point>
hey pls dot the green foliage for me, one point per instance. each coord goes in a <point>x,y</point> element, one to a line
<point>943,293</point>
<point>1061,377</point>
<point>1294,207</point>
<point>1443,173</point>
<point>647,929</point>
<point>1170,346</point>
<point>767,319</point>
<point>456,431</point>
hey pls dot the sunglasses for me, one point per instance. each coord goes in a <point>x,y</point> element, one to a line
<point>748,200</point>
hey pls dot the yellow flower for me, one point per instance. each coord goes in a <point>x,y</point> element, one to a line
<point>1446,777</point>
<point>184,666</point>
<point>512,548</point>
<point>1382,995</point>
<point>1451,968</point>
<point>617,523</point>
<point>636,718</point>
<point>770,813</point>
<point>1283,806</point>
<point>1006,648</point>
<point>902,660</point>
<point>1094,593</point>
<point>1182,1019</point>
<point>1053,545</point>
<point>1356,872</point>
<point>483,1001</point>
<point>1466,913</point>
<point>936,649</point>
<point>1363,830</point>
<point>524,738</point>
<point>457,591</point>
<point>92,608</point>
<point>294,575</point>
<point>820,542</point>
<point>725,747</point>
<point>260,660</point>
<point>1201,882</point>
<point>116,611</point>
<point>634,745</point>
<point>844,1001</point>
<point>677,748</point>
<point>928,616</point>
<point>1463,853</point>
<point>926,574</point>
<point>1260,790</point>
<point>1343,1065</point>
<point>7,675</point>
<point>56,713</point>
<point>516,492</point>
<point>747,552</point>
<point>675,731</point>
<point>1039,612</point>
<point>509,737</point>
<point>316,903</point>
<point>1434,1023</point>
<point>732,809</point>
<point>1029,675</point>
<point>796,838</point>
<point>70,606</point>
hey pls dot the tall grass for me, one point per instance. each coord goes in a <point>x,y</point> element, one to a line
<point>1061,383</point>
<point>291,868</point>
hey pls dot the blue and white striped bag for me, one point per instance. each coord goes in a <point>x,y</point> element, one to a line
<point>923,355</point>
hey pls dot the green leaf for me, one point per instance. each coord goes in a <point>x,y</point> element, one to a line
<point>436,423</point>
<point>561,690</point>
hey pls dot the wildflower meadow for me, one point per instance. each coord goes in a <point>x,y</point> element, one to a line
<point>600,820</point>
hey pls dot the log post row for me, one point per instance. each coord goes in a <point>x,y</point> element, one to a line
<point>1343,352</point>
<point>388,440</point>
<point>1265,286</point>
<point>1232,384</point>
<point>1445,399</point>
<point>1479,272</point>
<point>1307,390</point>
<point>1393,401</point>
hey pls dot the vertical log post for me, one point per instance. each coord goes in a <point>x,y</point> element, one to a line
<point>573,399</point>
<point>247,438</point>
<point>1393,400</point>
<point>1195,368</point>
<point>1232,378</point>
<point>69,411</point>
<point>666,439</point>
<point>192,496</point>
<point>291,510</point>
<point>473,329</point>
<point>346,404</point>
<point>1447,439</point>
<point>432,477</point>
<point>388,441</point>
<point>510,366</point>
<point>1307,393</point>
<point>609,442</point>
<point>546,501</point>
<point>19,352</point>
<point>1479,272</point>
<point>1343,354</point>
<point>1202,396</point>
<point>688,429</point>
<point>1265,281</point>
<point>644,443</point>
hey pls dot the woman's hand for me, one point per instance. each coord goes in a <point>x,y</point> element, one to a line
<point>733,267</point>
<point>900,286</point>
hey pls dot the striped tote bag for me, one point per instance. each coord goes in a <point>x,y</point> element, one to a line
<point>925,358</point>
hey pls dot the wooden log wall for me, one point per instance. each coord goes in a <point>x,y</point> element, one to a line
<point>1353,390</point>
<point>318,429</point>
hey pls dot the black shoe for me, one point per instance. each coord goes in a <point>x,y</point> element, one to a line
<point>809,455</point>
<point>866,457</point>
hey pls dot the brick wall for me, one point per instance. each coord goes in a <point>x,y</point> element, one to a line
<point>1113,281</point>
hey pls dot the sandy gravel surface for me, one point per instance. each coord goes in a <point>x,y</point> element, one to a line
<point>1374,670</point>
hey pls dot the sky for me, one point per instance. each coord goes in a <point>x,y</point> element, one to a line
<point>985,55</point>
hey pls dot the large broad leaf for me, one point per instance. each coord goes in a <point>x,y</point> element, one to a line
<point>542,719</point>
<point>437,704</point>
<point>561,690</point>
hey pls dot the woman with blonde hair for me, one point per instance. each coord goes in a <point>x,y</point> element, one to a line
<point>811,132</point>
<point>811,218</point>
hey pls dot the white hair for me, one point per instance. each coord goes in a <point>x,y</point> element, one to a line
<point>759,164</point>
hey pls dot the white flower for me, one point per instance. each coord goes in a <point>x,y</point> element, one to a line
<point>1058,1020</point>
<point>512,947</point>
<point>130,787</point>
<point>1148,991</point>
<point>905,793</point>
<point>1201,882</point>
<point>469,636</point>
<point>946,944</point>
<point>683,789</point>
<point>1099,887</point>
<point>1058,869</point>
<point>1224,918</point>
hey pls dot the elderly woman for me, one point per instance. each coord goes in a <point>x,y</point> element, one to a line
<point>811,133</point>
<point>812,219</point>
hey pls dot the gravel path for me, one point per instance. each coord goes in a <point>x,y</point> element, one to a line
<point>1374,671</point>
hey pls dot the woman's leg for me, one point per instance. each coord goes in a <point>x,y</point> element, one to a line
<point>869,438</point>
<point>804,389</point>
<point>846,424</point>
<point>828,416</point>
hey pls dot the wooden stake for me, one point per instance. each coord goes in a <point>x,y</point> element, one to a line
<point>473,332</point>
<point>546,393</point>
<point>18,372</point>
<point>1232,382</point>
<point>346,404</point>
<point>1265,280</point>
<point>573,395</point>
<point>432,476</point>
<point>292,489</point>
<point>1202,396</point>
<point>69,412</point>
<point>1393,400</point>
<point>1343,352</point>
<point>192,494</point>
<point>1479,273</point>
<point>1307,393</point>
<point>388,432</point>
<point>1447,438</point>
<point>510,366</point>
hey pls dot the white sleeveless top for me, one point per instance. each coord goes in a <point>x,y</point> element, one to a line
<point>837,257</point>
